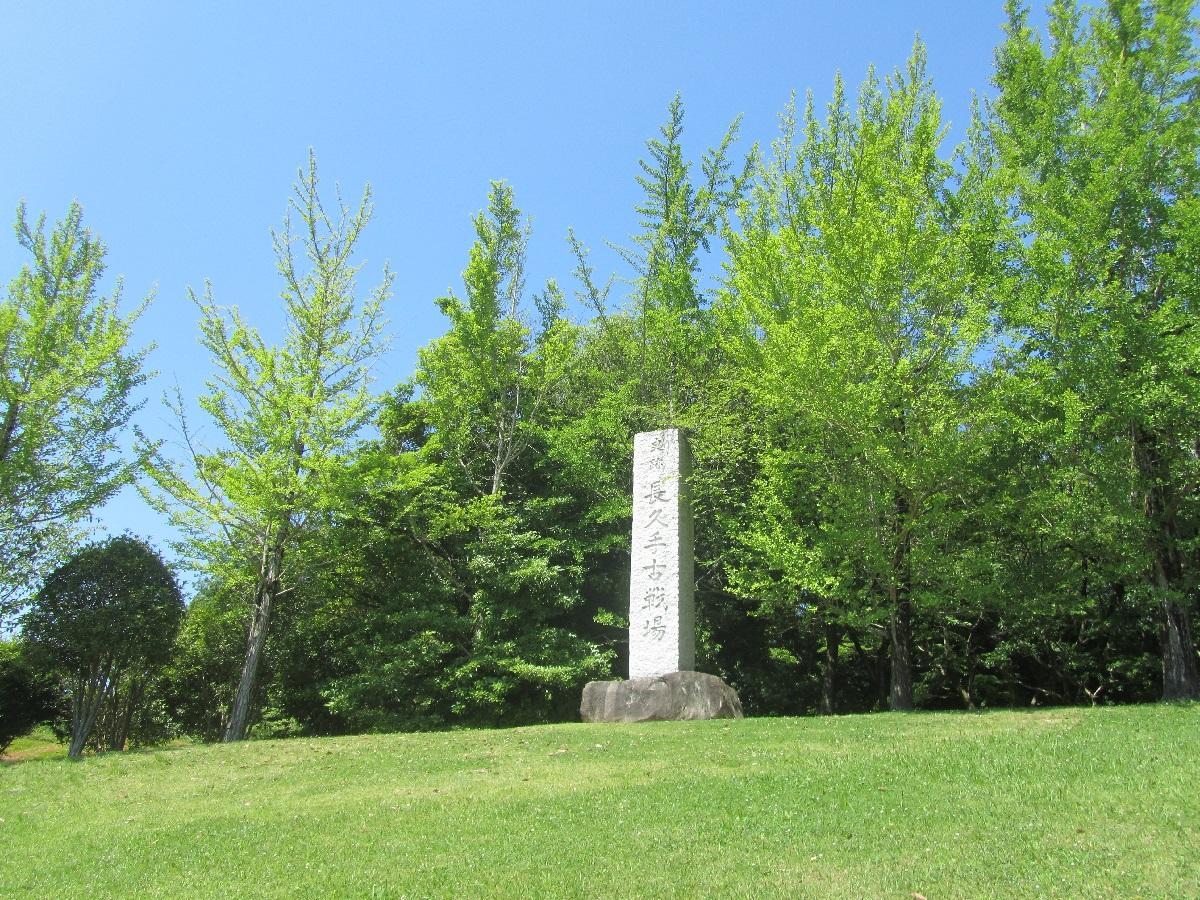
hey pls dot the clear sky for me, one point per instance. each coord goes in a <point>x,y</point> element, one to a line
<point>180,127</point>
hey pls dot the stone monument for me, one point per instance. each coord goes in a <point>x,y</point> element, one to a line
<point>662,612</point>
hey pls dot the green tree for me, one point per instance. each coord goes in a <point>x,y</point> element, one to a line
<point>680,217</point>
<point>862,276</point>
<point>490,389</point>
<point>488,379</point>
<point>653,362</point>
<point>200,680</point>
<point>67,380</point>
<point>288,414</point>
<point>1097,133</point>
<point>106,620</point>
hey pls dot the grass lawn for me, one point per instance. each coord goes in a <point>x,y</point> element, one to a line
<point>1062,802</point>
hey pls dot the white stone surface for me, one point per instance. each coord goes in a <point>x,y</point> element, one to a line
<point>662,612</point>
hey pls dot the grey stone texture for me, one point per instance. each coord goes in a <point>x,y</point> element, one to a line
<point>676,695</point>
<point>662,617</point>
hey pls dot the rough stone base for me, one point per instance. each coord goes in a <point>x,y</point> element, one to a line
<point>678,695</point>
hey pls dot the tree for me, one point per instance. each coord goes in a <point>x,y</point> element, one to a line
<point>105,619</point>
<point>491,387</point>
<point>680,218</point>
<point>67,381</point>
<point>862,279</point>
<point>1097,134</point>
<point>653,363</point>
<point>488,378</point>
<point>199,683</point>
<point>288,414</point>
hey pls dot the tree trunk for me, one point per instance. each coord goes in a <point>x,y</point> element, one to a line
<point>124,716</point>
<point>1180,678</point>
<point>80,701</point>
<point>9,428</point>
<point>1181,681</point>
<point>899,593</point>
<point>883,677</point>
<point>85,707</point>
<point>265,592</point>
<point>106,722</point>
<point>833,641</point>
<point>900,631</point>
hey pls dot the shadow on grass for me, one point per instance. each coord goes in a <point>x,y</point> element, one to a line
<point>41,744</point>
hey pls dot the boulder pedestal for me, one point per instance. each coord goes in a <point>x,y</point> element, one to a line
<point>655,698</point>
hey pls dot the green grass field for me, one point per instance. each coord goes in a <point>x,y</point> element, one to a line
<point>1062,802</point>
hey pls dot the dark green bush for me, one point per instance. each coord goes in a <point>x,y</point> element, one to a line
<point>26,699</point>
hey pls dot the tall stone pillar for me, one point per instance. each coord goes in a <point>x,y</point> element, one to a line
<point>662,612</point>
<point>662,683</point>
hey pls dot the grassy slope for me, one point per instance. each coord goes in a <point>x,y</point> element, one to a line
<point>1067,803</point>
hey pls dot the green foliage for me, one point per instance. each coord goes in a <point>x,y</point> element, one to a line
<point>941,404</point>
<point>486,382</point>
<point>654,363</point>
<point>863,284</point>
<point>859,538</point>
<point>529,657</point>
<point>199,682</point>
<point>507,628</point>
<point>67,383</point>
<point>680,218</point>
<point>26,698</point>
<point>105,621</point>
<point>1096,133</point>
<point>288,415</point>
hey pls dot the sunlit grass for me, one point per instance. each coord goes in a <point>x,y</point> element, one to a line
<point>1064,803</point>
<point>40,742</point>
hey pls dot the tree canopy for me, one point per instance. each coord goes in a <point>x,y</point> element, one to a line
<point>68,393</point>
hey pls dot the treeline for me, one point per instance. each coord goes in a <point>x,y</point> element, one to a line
<point>942,402</point>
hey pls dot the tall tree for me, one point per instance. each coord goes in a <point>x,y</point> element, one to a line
<point>288,414</point>
<point>1097,132</point>
<point>861,279</point>
<point>652,362</point>
<point>67,383</point>
<point>491,386</point>
<point>489,377</point>
<point>680,218</point>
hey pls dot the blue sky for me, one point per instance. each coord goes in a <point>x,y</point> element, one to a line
<point>180,128</point>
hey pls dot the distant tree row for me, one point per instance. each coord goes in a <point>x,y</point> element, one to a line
<point>944,407</point>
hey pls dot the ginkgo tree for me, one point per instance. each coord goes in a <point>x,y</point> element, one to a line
<point>490,388</point>
<point>682,218</point>
<point>861,280</point>
<point>487,380</point>
<point>288,416</point>
<point>1097,131</point>
<point>68,383</point>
